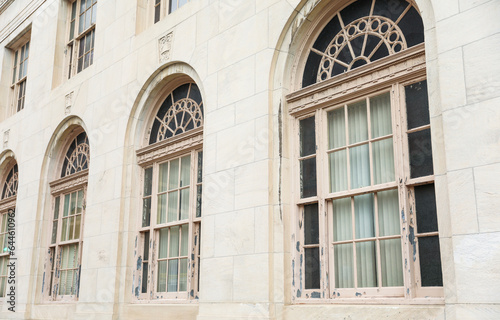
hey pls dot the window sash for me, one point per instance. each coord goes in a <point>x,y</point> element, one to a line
<point>191,223</point>
<point>325,198</point>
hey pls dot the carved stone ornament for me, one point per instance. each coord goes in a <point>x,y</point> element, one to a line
<point>302,16</point>
<point>343,87</point>
<point>6,138</point>
<point>165,47</point>
<point>68,102</point>
<point>170,147</point>
<point>69,183</point>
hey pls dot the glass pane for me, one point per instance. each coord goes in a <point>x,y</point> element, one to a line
<point>366,258</point>
<point>78,223</point>
<point>173,182</point>
<point>312,269</point>
<point>338,170</point>
<point>336,128</point>
<point>360,166</point>
<point>364,216</point>
<point>73,10</point>
<point>163,245</point>
<point>173,6</point>
<point>308,177</point>
<point>80,65</point>
<point>172,275</point>
<point>86,62</point>
<point>425,203</point>
<point>358,123</point>
<point>174,242</point>
<point>80,24</point>
<point>183,274</point>
<point>383,161</point>
<point>417,105</point>
<point>162,182</point>
<point>162,276</point>
<point>64,231</point>
<point>344,267</point>
<point>72,30</point>
<point>182,2</point>
<point>148,181</point>
<point>79,203</point>
<point>56,207</point>
<point>307,137</point>
<point>391,263</point>
<point>172,207</point>
<point>388,213</point>
<point>94,14</point>
<point>311,224</point>
<point>157,13</point>
<point>342,219</point>
<point>380,114</point>
<point>88,17</point>
<point>185,171</point>
<point>184,203</point>
<point>15,67</point>
<point>184,239</point>
<point>430,262</point>
<point>62,283</point>
<point>146,212</point>
<point>162,209</point>
<point>71,227</point>
<point>54,233</point>
<point>81,47</point>
<point>66,205</point>
<point>198,201</point>
<point>144,279</point>
<point>420,153</point>
<point>200,166</point>
<point>146,246</point>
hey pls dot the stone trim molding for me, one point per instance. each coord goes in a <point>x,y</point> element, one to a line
<point>170,147</point>
<point>8,203</point>
<point>68,183</point>
<point>379,74</point>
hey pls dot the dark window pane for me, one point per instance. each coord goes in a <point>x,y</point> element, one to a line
<point>157,13</point>
<point>430,262</point>
<point>327,34</point>
<point>144,277</point>
<point>181,92</point>
<point>146,246</point>
<point>308,178</point>
<point>412,27</point>
<point>307,137</point>
<point>148,181</point>
<point>200,166</point>
<point>357,9</point>
<point>420,153</point>
<point>417,104</point>
<point>146,212</point>
<point>198,201</point>
<point>311,70</point>
<point>390,9</point>
<point>425,202</point>
<point>312,268</point>
<point>311,224</point>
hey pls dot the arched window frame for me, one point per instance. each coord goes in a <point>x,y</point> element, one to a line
<point>68,189</point>
<point>387,75</point>
<point>150,158</point>
<point>7,215</point>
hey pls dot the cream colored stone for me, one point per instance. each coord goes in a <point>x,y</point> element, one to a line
<point>462,202</point>
<point>251,279</point>
<point>217,279</point>
<point>452,79</point>
<point>251,185</point>
<point>234,233</point>
<point>487,191</point>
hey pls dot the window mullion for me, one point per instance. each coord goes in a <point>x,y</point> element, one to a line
<point>354,257</point>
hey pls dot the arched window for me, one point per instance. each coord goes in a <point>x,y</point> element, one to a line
<point>366,222</point>
<point>7,216</point>
<point>170,224</point>
<point>68,210</point>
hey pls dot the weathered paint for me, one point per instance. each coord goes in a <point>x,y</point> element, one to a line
<point>358,294</point>
<point>137,291</point>
<point>293,272</point>
<point>139,263</point>
<point>413,243</point>
<point>403,215</point>
<point>298,246</point>
<point>300,272</point>
<point>192,293</point>
<point>299,293</point>
<point>316,295</point>
<point>43,281</point>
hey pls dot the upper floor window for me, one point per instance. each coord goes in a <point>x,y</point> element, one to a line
<point>7,214</point>
<point>20,73</point>
<point>170,224</point>
<point>366,220</point>
<point>81,35</point>
<point>165,7</point>
<point>68,211</point>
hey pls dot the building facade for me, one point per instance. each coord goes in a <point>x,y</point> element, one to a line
<point>250,159</point>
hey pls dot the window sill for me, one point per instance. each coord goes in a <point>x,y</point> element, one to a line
<point>370,301</point>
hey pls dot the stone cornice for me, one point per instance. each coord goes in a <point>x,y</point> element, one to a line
<point>24,14</point>
<point>8,203</point>
<point>358,81</point>
<point>171,146</point>
<point>69,183</point>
